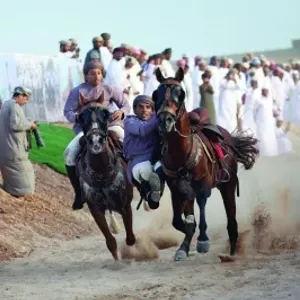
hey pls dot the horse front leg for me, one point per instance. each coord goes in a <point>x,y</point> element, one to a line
<point>188,226</point>
<point>127,220</point>
<point>99,217</point>
<point>203,243</point>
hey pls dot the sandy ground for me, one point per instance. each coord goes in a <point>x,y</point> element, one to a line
<point>268,268</point>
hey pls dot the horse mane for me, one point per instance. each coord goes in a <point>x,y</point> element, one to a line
<point>114,141</point>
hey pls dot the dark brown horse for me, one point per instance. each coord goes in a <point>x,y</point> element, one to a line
<point>190,164</point>
<point>102,173</point>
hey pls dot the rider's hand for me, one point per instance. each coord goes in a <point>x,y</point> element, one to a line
<point>32,125</point>
<point>117,115</point>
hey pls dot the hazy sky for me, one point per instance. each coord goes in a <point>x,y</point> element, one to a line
<point>190,26</point>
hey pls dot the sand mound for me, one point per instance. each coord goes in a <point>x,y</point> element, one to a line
<point>30,222</point>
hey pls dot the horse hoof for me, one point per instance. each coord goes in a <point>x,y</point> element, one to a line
<point>180,255</point>
<point>203,247</point>
<point>227,258</point>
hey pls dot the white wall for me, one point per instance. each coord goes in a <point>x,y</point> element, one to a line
<point>50,79</point>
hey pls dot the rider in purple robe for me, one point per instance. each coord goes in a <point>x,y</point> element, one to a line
<point>140,144</point>
<point>91,91</point>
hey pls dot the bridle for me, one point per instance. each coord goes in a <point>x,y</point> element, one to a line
<point>98,130</point>
<point>168,98</point>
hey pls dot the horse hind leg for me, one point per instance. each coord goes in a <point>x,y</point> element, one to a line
<point>100,219</point>
<point>188,227</point>
<point>228,194</point>
<point>203,243</point>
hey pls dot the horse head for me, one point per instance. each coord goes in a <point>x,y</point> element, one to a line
<point>93,119</point>
<point>169,100</point>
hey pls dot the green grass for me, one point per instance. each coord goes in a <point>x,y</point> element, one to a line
<point>56,139</point>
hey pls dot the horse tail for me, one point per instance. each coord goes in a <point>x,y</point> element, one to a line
<point>245,147</point>
<point>114,224</point>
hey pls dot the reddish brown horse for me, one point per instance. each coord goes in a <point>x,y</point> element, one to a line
<point>102,173</point>
<point>190,164</point>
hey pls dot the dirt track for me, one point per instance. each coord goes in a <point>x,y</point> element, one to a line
<point>82,269</point>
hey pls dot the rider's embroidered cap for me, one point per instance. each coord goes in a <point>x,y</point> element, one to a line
<point>143,98</point>
<point>22,91</point>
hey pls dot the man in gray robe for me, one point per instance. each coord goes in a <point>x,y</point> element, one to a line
<point>17,171</point>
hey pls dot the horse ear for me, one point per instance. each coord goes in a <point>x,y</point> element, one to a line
<point>179,75</point>
<point>159,76</point>
<point>155,99</point>
<point>82,100</point>
<point>100,98</point>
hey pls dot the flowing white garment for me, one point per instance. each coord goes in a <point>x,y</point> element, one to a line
<point>260,76</point>
<point>288,86</point>
<point>268,85</point>
<point>265,126</point>
<point>151,83</point>
<point>223,72</point>
<point>283,143</point>
<point>228,105</point>
<point>189,100</point>
<point>136,86</point>
<point>116,75</point>
<point>168,69</point>
<point>295,106</point>
<point>278,94</point>
<point>252,98</point>
<point>106,57</point>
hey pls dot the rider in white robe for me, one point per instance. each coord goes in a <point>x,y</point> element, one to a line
<point>229,103</point>
<point>265,125</point>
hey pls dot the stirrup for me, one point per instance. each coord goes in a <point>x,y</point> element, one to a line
<point>227,176</point>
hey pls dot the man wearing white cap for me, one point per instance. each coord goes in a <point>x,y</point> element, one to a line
<point>64,49</point>
<point>17,171</point>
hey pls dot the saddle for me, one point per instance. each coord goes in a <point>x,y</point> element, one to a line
<point>200,122</point>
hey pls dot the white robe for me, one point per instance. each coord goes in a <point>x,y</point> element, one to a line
<point>106,57</point>
<point>265,126</point>
<point>116,75</point>
<point>278,94</point>
<point>295,106</point>
<point>284,144</point>
<point>136,86</point>
<point>229,101</point>
<point>168,69</point>
<point>151,83</point>
<point>252,98</point>
<point>189,100</point>
<point>196,81</point>
<point>288,86</point>
<point>260,76</point>
<point>223,72</point>
<point>215,82</point>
